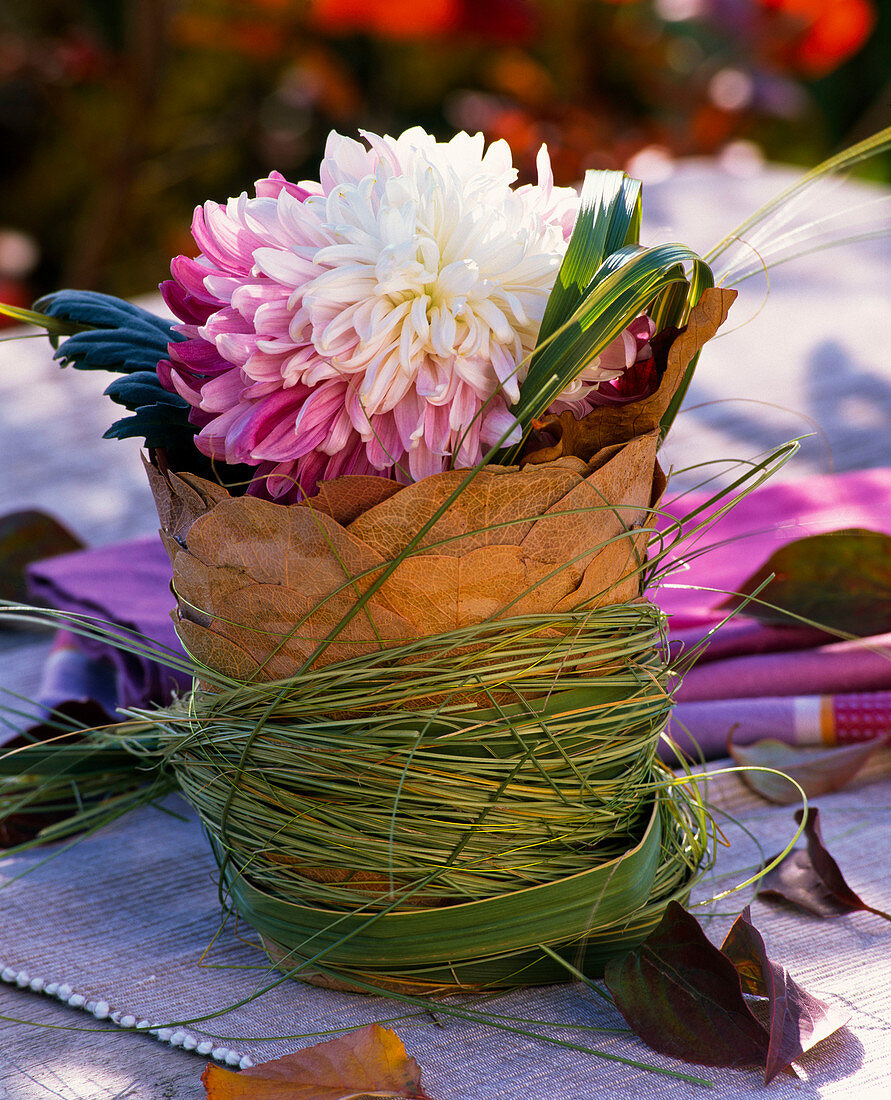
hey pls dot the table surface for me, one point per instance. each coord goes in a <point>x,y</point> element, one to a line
<point>808,362</point>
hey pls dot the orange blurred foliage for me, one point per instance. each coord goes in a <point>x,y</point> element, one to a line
<point>389,18</point>
<point>816,36</point>
<point>496,20</point>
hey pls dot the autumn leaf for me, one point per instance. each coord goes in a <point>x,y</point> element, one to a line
<point>811,879</point>
<point>683,997</point>
<point>798,1020</point>
<point>370,1062</point>
<point>686,998</point>
<point>840,580</point>
<point>817,769</point>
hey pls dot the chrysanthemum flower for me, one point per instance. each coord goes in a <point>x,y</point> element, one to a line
<point>377,321</point>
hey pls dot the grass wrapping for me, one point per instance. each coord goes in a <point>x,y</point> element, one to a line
<point>374,812</point>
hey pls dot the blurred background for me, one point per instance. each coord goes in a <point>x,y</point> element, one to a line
<point>118,116</point>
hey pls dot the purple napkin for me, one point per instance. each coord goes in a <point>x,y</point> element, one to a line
<point>128,586</point>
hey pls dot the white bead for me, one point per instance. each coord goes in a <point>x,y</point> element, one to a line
<point>52,989</point>
<point>101,1010</point>
<point>64,991</point>
<point>8,974</point>
<point>246,1062</point>
<point>165,1033</point>
<point>233,1059</point>
<point>204,1047</point>
<point>176,1039</point>
<point>221,1053</point>
<point>76,1000</point>
<point>143,1025</point>
<point>22,979</point>
<point>128,1021</point>
<point>36,984</point>
<point>190,1042</point>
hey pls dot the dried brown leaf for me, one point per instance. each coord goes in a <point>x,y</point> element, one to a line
<point>215,651</point>
<point>344,499</point>
<point>280,628</point>
<point>279,545</point>
<point>611,575</point>
<point>370,1062</point>
<point>811,879</point>
<point>497,508</point>
<point>438,593</point>
<point>178,502</point>
<point>817,769</point>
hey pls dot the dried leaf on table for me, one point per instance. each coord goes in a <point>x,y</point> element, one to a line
<point>840,580</point>
<point>26,537</point>
<point>818,769</point>
<point>683,997</point>
<point>798,1020</point>
<point>370,1062</point>
<point>812,880</point>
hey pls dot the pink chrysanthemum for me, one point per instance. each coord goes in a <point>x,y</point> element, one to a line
<point>377,321</point>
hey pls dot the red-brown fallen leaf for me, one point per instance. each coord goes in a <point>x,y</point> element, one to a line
<point>683,997</point>
<point>817,769</point>
<point>370,1062</point>
<point>798,1020</point>
<point>812,879</point>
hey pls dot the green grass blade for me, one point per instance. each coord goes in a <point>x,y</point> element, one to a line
<point>763,217</point>
<point>627,283</point>
<point>609,218</point>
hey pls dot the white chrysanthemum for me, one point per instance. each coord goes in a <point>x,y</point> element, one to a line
<point>378,320</point>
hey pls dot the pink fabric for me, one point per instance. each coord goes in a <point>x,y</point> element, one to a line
<point>750,674</point>
<point>862,717</point>
<point>862,665</point>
